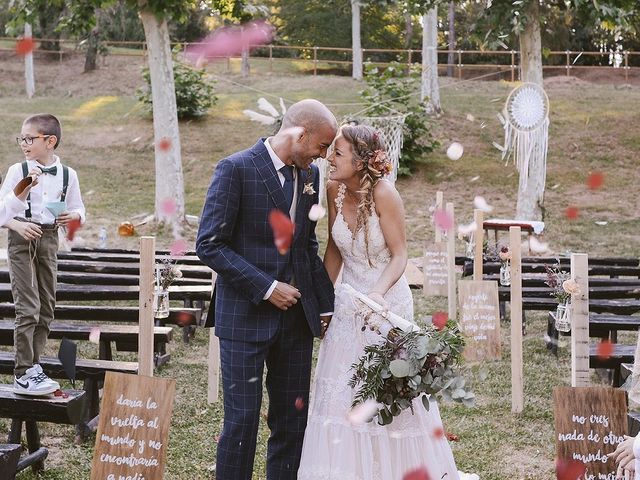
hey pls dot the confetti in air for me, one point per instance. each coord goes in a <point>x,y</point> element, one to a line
<point>72,228</point>
<point>316,212</point>
<point>439,320</point>
<point>569,469</point>
<point>465,230</point>
<point>443,220</point>
<point>168,207</point>
<point>299,403</point>
<point>24,46</point>
<point>536,246</point>
<point>571,213</point>
<point>164,144</point>
<point>179,247</point>
<point>595,180</point>
<point>229,42</point>
<point>282,228</point>
<point>481,204</point>
<point>417,474</point>
<point>363,412</point>
<point>455,151</point>
<point>438,433</point>
<point>605,349</point>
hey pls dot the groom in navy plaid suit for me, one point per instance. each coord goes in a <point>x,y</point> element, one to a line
<point>267,306</point>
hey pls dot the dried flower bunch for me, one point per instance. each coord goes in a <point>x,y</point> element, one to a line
<point>561,283</point>
<point>166,272</point>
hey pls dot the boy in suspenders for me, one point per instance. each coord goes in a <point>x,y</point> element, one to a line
<point>33,246</point>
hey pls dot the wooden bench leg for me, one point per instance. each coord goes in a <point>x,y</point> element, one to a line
<point>15,434</point>
<point>503,311</point>
<point>105,352</point>
<point>33,442</point>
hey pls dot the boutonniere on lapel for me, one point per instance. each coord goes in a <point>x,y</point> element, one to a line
<point>308,184</point>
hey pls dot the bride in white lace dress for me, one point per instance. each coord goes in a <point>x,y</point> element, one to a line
<point>367,239</point>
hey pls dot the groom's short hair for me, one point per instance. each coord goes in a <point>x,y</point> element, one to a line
<point>309,114</point>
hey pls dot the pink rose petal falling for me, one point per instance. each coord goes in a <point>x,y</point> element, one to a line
<point>443,220</point>
<point>417,474</point>
<point>168,207</point>
<point>439,319</point>
<point>24,46</point>
<point>438,433</point>
<point>94,335</point>
<point>183,319</point>
<point>536,246</point>
<point>571,213</point>
<point>605,349</point>
<point>481,204</point>
<point>164,145</point>
<point>569,469</point>
<point>595,180</point>
<point>363,412</point>
<point>230,41</point>
<point>299,403</point>
<point>179,247</point>
<point>72,228</point>
<point>283,228</point>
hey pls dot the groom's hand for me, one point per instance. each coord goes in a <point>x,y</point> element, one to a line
<point>284,296</point>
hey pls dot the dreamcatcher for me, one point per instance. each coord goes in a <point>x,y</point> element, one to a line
<point>526,130</point>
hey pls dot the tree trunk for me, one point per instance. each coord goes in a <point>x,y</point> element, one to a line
<point>430,88</point>
<point>356,45</point>
<point>408,30</point>
<point>92,50</point>
<point>169,179</point>
<point>452,38</point>
<point>29,81</point>
<point>244,64</point>
<point>530,199</point>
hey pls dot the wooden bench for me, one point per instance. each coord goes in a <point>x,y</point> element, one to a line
<point>90,371</point>
<point>67,409</point>
<point>621,354</point>
<point>9,458</point>
<point>91,278</point>
<point>611,271</point>
<point>125,337</point>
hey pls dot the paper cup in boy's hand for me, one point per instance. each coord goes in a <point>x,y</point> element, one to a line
<point>56,208</point>
<point>22,184</point>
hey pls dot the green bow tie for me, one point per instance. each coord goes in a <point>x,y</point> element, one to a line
<point>51,170</point>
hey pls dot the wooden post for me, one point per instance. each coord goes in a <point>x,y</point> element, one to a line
<point>478,237</point>
<point>451,265</point>
<point>580,321</point>
<point>315,61</point>
<point>214,359</point>
<point>439,201</point>
<point>270,58</point>
<point>517,383</point>
<point>145,336</point>
<point>513,65</point>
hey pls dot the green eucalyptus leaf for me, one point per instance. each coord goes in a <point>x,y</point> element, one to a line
<point>399,368</point>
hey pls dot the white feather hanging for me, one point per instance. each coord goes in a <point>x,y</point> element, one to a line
<point>259,117</point>
<point>263,104</point>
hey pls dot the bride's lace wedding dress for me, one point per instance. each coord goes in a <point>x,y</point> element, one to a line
<point>334,449</point>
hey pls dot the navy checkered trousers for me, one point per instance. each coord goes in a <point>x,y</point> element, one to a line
<point>236,240</point>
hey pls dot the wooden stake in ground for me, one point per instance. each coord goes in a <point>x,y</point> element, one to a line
<point>517,383</point>
<point>214,359</point>
<point>145,337</point>
<point>451,264</point>
<point>580,321</point>
<point>478,237</point>
<point>439,202</point>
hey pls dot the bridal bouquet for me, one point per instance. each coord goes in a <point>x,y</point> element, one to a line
<point>407,364</point>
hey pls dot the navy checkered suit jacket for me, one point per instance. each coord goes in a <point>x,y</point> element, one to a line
<point>236,240</point>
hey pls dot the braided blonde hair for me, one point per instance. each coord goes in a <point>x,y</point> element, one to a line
<point>367,147</point>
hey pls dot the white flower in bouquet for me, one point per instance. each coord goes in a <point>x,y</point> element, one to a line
<point>571,287</point>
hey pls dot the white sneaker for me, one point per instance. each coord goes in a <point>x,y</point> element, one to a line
<point>34,382</point>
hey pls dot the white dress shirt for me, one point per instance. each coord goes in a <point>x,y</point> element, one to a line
<point>10,206</point>
<point>49,189</point>
<point>278,164</point>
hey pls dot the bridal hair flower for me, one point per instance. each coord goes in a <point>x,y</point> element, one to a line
<point>379,161</point>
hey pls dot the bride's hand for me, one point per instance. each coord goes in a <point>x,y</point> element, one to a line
<point>379,299</point>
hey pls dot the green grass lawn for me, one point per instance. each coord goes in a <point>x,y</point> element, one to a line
<point>109,142</point>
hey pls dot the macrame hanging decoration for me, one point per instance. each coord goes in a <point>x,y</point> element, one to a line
<point>526,131</point>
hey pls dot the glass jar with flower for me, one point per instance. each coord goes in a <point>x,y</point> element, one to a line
<point>505,266</point>
<point>562,288</point>
<point>166,273</point>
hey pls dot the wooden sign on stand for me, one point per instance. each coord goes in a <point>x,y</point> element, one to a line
<point>517,376</point>
<point>590,422</point>
<point>435,270</point>
<point>132,436</point>
<point>580,322</point>
<point>479,319</point>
